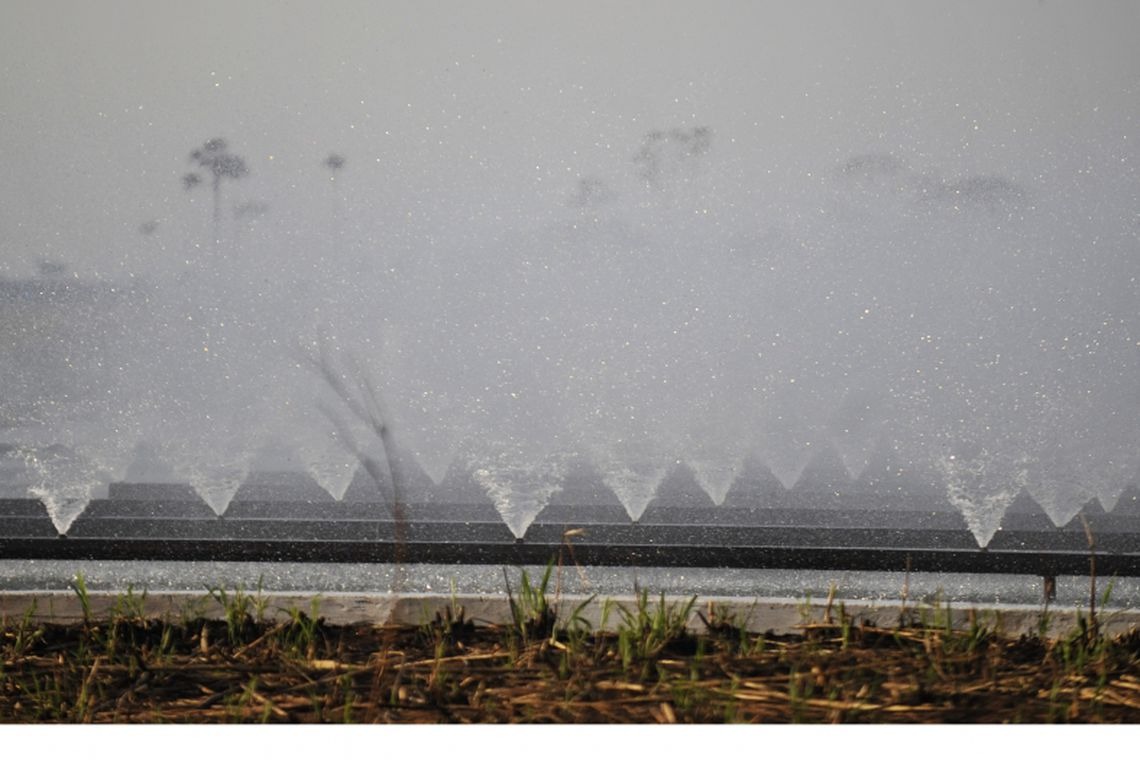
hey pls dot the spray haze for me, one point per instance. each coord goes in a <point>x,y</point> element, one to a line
<point>647,235</point>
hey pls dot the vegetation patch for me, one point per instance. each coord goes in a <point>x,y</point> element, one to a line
<point>652,660</point>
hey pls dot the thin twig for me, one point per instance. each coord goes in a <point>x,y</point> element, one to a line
<point>1092,577</point>
<point>364,402</point>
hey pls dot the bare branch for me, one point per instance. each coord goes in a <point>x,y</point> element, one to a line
<point>363,401</point>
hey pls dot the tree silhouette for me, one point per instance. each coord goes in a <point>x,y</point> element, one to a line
<point>664,154</point>
<point>246,215</point>
<point>214,157</point>
<point>334,163</point>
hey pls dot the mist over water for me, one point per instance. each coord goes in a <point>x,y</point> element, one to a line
<point>645,283</point>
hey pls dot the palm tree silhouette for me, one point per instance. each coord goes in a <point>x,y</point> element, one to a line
<point>334,163</point>
<point>214,156</point>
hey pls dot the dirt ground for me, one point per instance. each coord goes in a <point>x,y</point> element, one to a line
<point>645,667</point>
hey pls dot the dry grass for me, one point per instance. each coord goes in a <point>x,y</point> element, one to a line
<point>649,668</point>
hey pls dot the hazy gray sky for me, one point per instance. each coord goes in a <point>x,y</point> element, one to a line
<point>457,115</point>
